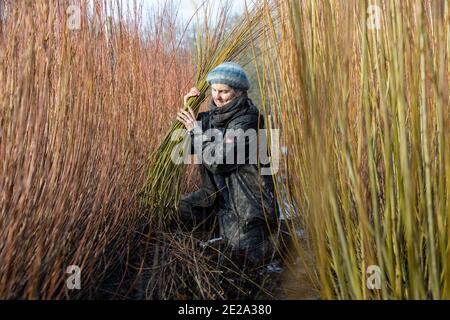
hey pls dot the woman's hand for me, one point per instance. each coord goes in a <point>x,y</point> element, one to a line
<point>187,118</point>
<point>194,92</point>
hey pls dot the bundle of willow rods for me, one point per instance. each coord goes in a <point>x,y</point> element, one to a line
<point>161,191</point>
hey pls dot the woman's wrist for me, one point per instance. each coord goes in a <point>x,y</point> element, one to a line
<point>196,129</point>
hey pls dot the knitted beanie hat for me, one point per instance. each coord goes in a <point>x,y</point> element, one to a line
<point>231,74</point>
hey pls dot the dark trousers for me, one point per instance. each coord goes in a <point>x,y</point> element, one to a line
<point>251,247</point>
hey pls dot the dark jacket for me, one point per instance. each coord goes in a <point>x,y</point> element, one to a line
<point>241,198</point>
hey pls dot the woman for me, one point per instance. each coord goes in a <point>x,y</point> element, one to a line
<point>236,193</point>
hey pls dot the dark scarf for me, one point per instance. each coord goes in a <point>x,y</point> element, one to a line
<point>219,116</point>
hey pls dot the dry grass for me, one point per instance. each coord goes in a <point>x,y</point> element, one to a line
<point>365,117</point>
<point>80,109</point>
<point>80,112</point>
<point>364,114</point>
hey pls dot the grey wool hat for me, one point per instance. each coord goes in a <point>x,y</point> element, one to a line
<point>229,73</point>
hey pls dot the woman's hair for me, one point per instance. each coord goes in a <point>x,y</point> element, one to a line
<point>240,92</point>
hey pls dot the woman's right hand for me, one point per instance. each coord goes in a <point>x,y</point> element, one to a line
<point>194,92</point>
<point>187,118</point>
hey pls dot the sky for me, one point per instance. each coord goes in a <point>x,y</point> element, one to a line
<point>188,7</point>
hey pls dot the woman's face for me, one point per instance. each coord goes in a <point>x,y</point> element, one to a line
<point>222,94</point>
